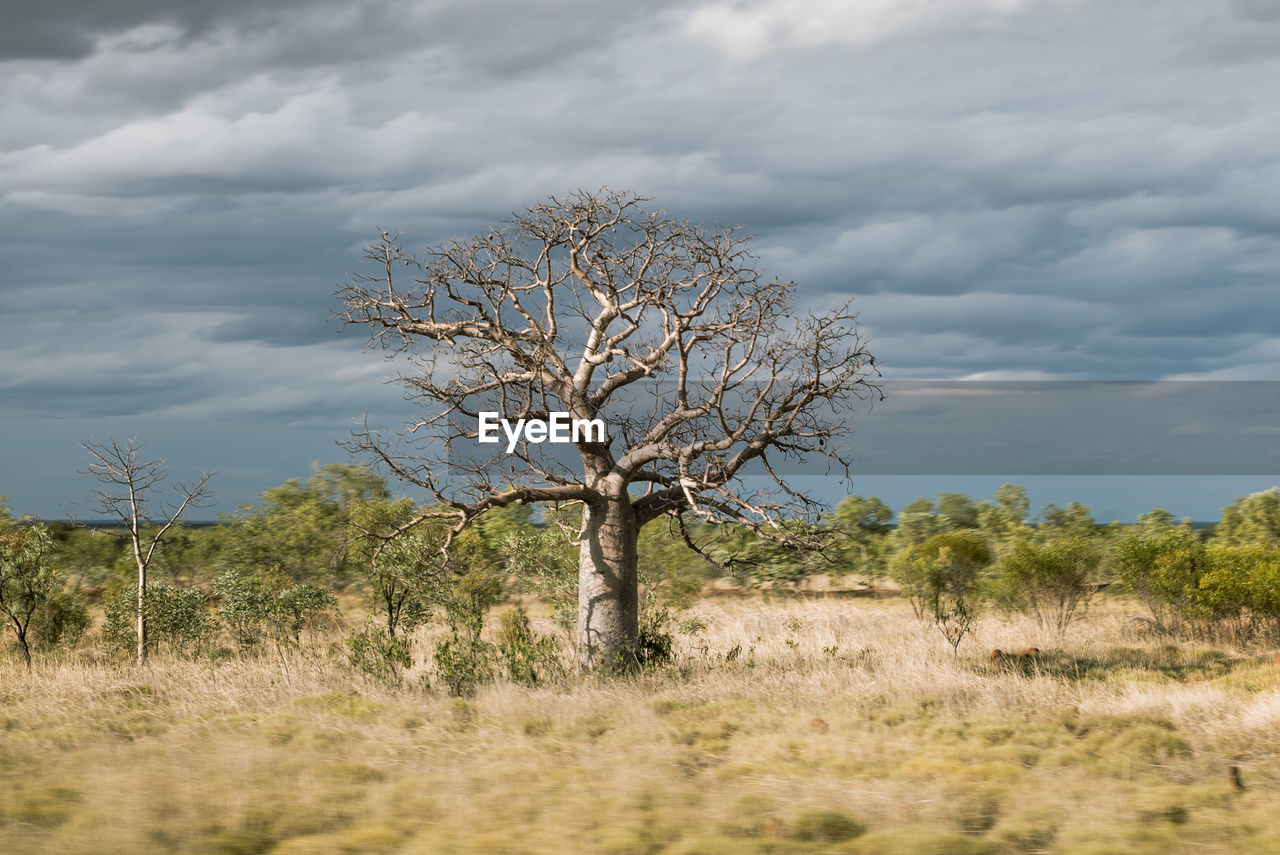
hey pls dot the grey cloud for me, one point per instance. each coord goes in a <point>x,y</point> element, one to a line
<point>1005,318</point>
<point>1069,428</point>
<point>69,29</point>
<point>1065,190</point>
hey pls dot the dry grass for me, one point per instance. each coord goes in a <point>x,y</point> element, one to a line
<point>832,716</point>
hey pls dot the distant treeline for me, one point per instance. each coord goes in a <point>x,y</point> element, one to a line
<point>309,538</point>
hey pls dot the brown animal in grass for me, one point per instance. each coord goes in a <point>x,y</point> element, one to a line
<point>1031,654</point>
<point>1278,660</point>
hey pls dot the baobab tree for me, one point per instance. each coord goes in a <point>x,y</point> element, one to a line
<point>592,309</point>
<point>127,494</point>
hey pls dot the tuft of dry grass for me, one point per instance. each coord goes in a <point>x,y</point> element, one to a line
<point>783,726</point>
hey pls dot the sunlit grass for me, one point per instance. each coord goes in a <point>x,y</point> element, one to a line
<point>784,726</point>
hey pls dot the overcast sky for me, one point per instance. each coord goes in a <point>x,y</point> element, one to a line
<point>1015,189</point>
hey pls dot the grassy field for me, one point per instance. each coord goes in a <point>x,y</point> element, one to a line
<point>838,726</point>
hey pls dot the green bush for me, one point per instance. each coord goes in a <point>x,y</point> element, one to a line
<point>940,577</point>
<point>1163,570</point>
<point>1052,581</point>
<point>297,606</point>
<point>1227,595</point>
<point>27,580</point>
<point>546,564</point>
<point>655,642</point>
<point>62,621</point>
<point>525,656</point>
<point>464,660</point>
<point>377,655</point>
<point>254,608</point>
<point>1217,590</point>
<point>1238,593</point>
<point>464,664</point>
<point>244,607</point>
<point>177,619</point>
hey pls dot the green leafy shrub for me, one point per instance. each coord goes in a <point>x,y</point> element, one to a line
<point>406,571</point>
<point>464,660</point>
<point>1238,593</point>
<point>62,621</point>
<point>655,642</point>
<point>1219,589</point>
<point>525,656</point>
<point>1051,581</point>
<point>177,619</point>
<point>244,606</point>
<point>254,608</point>
<point>940,577</point>
<point>546,564</point>
<point>27,580</point>
<point>1163,571</point>
<point>464,664</point>
<point>297,606</point>
<point>377,655</point>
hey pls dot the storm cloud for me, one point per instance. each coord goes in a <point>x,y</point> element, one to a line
<point>1068,189</point>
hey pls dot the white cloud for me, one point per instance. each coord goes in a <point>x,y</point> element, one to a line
<point>308,139</point>
<point>744,31</point>
<point>1010,375</point>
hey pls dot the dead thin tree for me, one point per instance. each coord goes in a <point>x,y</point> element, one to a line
<point>128,493</point>
<point>700,367</point>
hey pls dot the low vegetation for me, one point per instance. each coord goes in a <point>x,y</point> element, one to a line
<point>1052,687</point>
<point>837,726</point>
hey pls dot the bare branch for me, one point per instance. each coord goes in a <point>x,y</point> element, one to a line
<point>699,365</point>
<point>129,482</point>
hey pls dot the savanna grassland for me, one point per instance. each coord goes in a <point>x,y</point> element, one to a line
<point>784,725</point>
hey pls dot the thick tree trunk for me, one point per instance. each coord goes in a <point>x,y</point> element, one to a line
<point>608,595</point>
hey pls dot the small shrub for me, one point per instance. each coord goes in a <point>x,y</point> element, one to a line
<point>256,607</point>
<point>464,660</point>
<point>464,664</point>
<point>244,607</point>
<point>180,617</point>
<point>410,570</point>
<point>27,580</point>
<point>525,656</point>
<point>825,826</point>
<point>655,642</point>
<point>1163,571</point>
<point>692,626</point>
<point>1052,581</point>
<point>546,563</point>
<point>377,655</point>
<point>297,606</point>
<point>177,618</point>
<point>62,621</point>
<point>1238,594</point>
<point>940,578</point>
